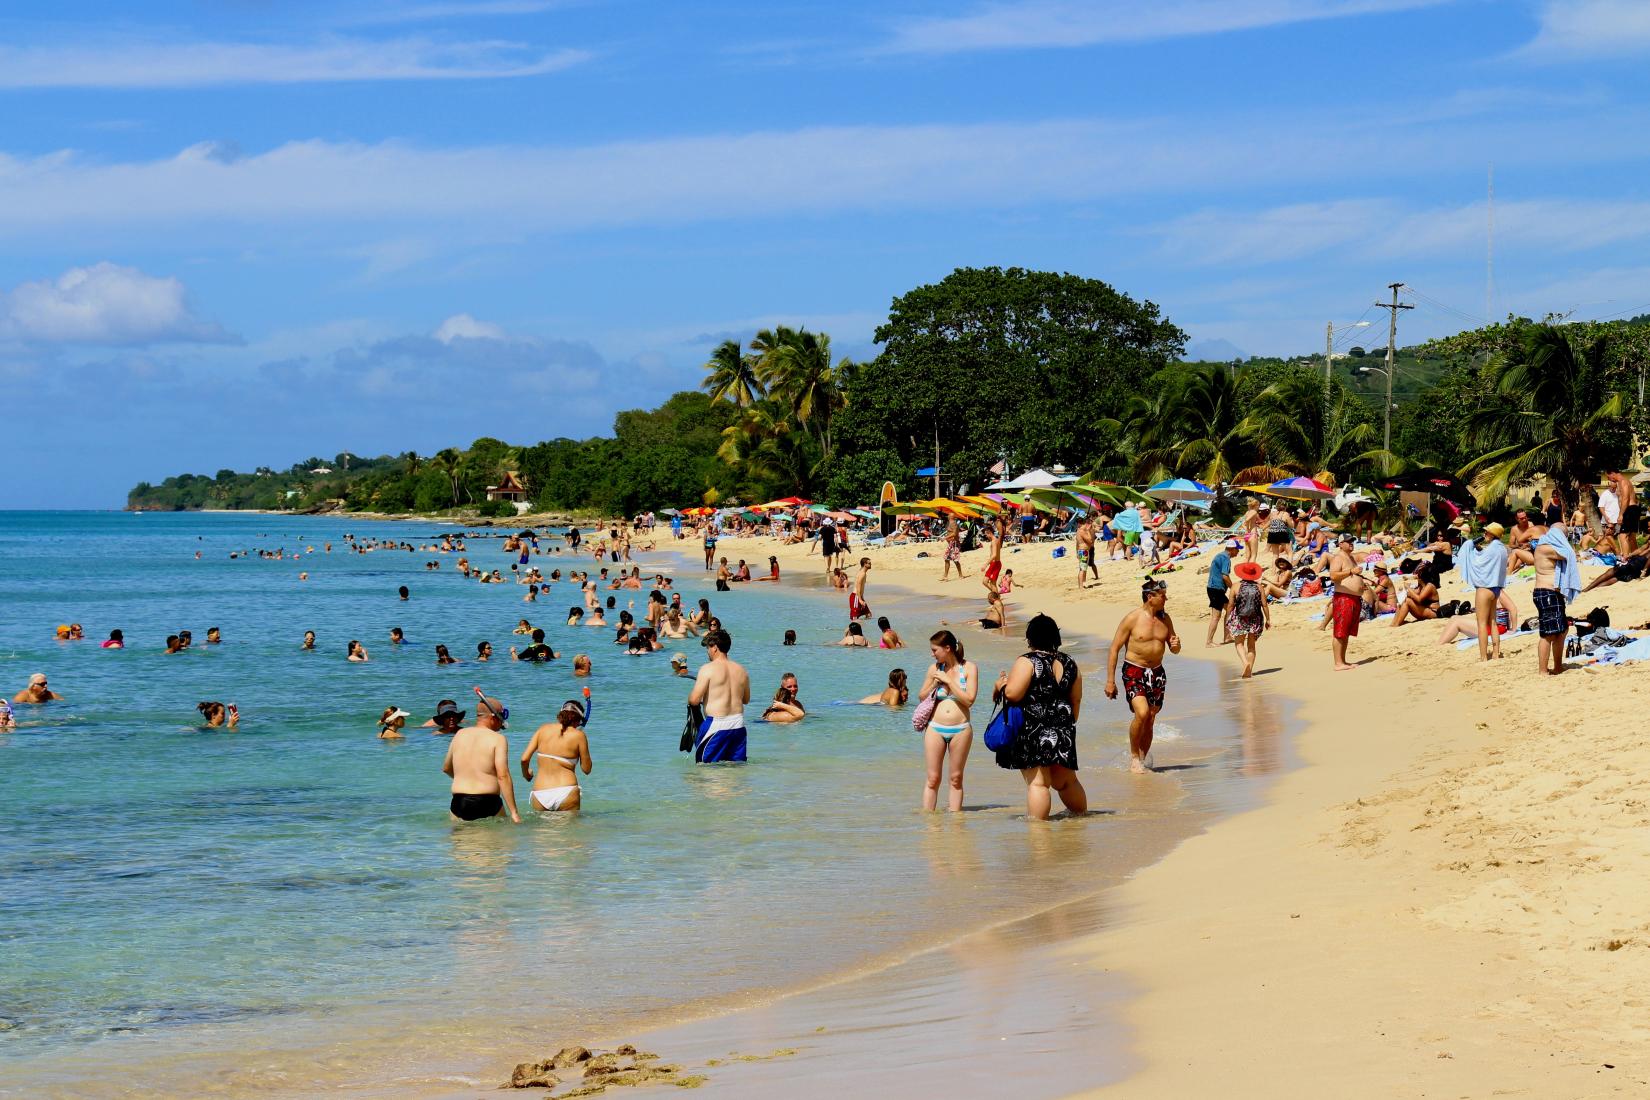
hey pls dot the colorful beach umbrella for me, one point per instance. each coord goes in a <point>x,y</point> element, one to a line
<point>1299,488</point>
<point>1180,489</point>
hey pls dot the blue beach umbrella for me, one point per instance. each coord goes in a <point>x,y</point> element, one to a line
<point>1180,489</point>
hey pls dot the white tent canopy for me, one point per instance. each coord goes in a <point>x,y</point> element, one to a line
<point>1033,479</point>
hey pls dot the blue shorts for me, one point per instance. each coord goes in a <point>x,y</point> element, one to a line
<point>725,743</point>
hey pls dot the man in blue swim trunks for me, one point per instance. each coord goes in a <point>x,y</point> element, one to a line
<point>722,688</point>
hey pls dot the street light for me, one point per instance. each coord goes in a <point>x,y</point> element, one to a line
<point>1361,372</point>
<point>1329,349</point>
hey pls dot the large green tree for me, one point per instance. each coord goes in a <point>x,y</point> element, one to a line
<point>993,362</point>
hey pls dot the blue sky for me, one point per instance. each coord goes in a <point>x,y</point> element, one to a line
<point>240,232</point>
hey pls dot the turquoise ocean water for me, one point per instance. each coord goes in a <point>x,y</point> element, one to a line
<point>174,898</point>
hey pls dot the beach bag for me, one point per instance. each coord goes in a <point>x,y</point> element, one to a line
<point>1312,588</point>
<point>690,728</point>
<point>1247,606</point>
<point>1059,552</point>
<point>925,712</point>
<point>1596,619</point>
<point>1008,721</point>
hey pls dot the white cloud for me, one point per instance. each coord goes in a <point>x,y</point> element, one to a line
<point>1387,229</point>
<point>461,326</point>
<point>1572,29</point>
<point>155,63</point>
<point>1041,24</point>
<point>104,304</point>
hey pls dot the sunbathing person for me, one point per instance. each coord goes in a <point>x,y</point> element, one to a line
<point>1422,602</point>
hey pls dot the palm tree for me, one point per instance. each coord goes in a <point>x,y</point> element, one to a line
<point>412,463</point>
<point>732,375</point>
<point>1192,428</point>
<point>1551,411</point>
<point>765,446</point>
<point>451,462</point>
<point>1298,432</point>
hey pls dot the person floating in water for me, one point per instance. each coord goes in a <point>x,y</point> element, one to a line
<point>218,716</point>
<point>722,688</point>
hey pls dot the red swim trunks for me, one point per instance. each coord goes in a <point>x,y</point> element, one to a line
<point>992,569</point>
<point>857,609</point>
<point>1346,612</point>
<point>1150,682</point>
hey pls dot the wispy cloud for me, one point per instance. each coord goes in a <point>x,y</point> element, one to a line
<point>1045,24</point>
<point>1573,29</point>
<point>1387,229</point>
<point>153,63</point>
<point>427,13</point>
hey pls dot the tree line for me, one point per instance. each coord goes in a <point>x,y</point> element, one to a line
<point>1027,368</point>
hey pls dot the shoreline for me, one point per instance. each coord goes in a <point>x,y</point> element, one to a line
<point>1029,962</point>
<point>1442,896</point>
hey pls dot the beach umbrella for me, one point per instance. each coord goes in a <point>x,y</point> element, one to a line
<point>750,517</point>
<point>820,509</point>
<point>862,513</point>
<point>1180,489</point>
<point>1034,479</point>
<point>669,512</point>
<point>1433,481</point>
<point>1298,488</point>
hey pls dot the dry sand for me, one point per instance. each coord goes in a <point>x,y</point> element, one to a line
<point>1449,898</point>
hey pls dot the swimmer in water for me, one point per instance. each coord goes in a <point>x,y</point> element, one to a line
<point>484,651</point>
<point>214,636</point>
<point>173,644</point>
<point>8,720</point>
<point>37,692</point>
<point>890,637</point>
<point>403,593</point>
<point>896,694</point>
<point>853,636</point>
<point>442,657</point>
<point>117,640</point>
<point>596,618</point>
<point>357,652</point>
<point>391,723</point>
<point>525,627</point>
<point>560,748</point>
<point>581,665</point>
<point>396,637</point>
<point>309,640</point>
<point>219,716</point>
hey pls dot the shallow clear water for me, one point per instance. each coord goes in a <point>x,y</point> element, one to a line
<point>168,894</point>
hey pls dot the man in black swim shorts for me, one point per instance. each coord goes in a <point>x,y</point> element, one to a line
<point>478,761</point>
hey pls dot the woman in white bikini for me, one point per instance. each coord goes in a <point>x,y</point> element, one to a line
<point>956,683</point>
<point>561,748</point>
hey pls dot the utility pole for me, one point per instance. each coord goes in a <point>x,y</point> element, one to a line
<point>1391,353</point>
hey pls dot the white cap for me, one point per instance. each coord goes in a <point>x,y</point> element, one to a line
<point>399,713</point>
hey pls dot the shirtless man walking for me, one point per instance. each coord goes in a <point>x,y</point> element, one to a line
<point>1085,552</point>
<point>1141,639</point>
<point>1347,605</point>
<point>857,607</point>
<point>723,687</point>
<point>478,761</point>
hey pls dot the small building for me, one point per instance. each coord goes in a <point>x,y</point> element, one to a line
<point>509,488</point>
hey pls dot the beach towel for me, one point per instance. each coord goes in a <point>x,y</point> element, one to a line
<point>1566,574</point>
<point>1483,567</point>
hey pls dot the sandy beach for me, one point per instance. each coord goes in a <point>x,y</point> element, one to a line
<point>1443,899</point>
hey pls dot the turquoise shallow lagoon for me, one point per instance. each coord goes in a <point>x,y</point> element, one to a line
<point>288,905</point>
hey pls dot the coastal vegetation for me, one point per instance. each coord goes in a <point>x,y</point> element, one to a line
<point>1026,368</point>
